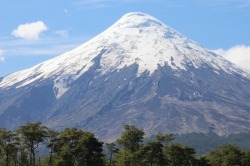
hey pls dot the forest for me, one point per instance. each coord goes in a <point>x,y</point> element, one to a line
<point>33,144</point>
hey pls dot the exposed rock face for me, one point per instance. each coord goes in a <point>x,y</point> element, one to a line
<point>138,71</point>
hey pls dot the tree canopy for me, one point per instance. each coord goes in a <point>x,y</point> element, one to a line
<point>75,147</point>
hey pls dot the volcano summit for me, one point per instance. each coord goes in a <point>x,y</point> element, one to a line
<point>138,71</point>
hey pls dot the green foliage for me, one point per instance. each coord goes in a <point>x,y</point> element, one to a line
<point>74,147</point>
<point>125,158</point>
<point>131,138</point>
<point>52,142</point>
<point>228,155</point>
<point>180,155</point>
<point>152,154</point>
<point>8,147</point>
<point>32,134</point>
<point>165,138</point>
<point>78,148</point>
<point>112,149</point>
<point>206,142</point>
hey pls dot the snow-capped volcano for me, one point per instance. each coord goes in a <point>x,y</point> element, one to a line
<point>136,65</point>
<point>136,38</point>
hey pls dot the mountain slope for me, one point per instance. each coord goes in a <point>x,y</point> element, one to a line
<point>138,71</point>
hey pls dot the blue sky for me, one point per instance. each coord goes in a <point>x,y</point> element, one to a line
<point>32,31</point>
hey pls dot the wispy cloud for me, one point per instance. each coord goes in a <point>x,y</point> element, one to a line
<point>62,33</point>
<point>240,55</point>
<point>93,4</point>
<point>50,45</point>
<point>226,3</point>
<point>45,46</point>
<point>30,31</point>
<point>41,51</point>
<point>66,12</point>
<point>2,59</point>
<point>89,4</point>
<point>240,4</point>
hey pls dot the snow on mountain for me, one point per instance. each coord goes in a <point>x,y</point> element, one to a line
<point>136,38</point>
<point>138,71</point>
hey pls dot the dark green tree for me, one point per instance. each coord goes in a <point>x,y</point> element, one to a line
<point>246,158</point>
<point>52,142</point>
<point>165,139</point>
<point>180,155</point>
<point>152,154</point>
<point>32,134</point>
<point>227,155</point>
<point>125,158</point>
<point>92,153</point>
<point>68,145</point>
<point>78,148</point>
<point>8,146</point>
<point>131,138</point>
<point>112,149</point>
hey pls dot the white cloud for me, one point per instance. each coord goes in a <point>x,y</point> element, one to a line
<point>45,46</point>
<point>240,55</point>
<point>42,50</point>
<point>30,31</point>
<point>62,33</point>
<point>2,59</point>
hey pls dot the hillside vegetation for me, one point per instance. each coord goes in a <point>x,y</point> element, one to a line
<point>206,142</point>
